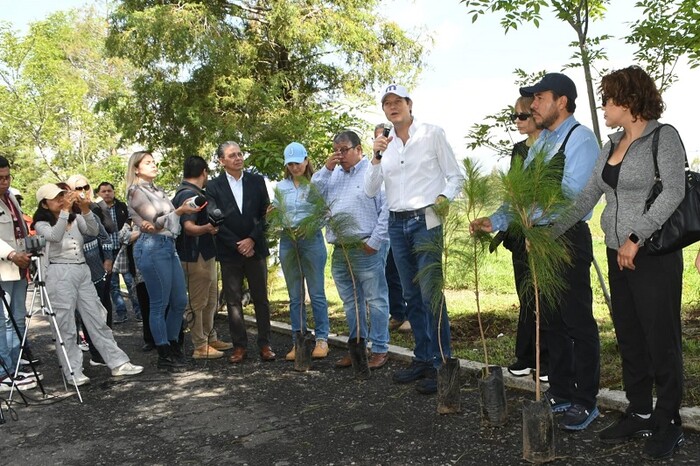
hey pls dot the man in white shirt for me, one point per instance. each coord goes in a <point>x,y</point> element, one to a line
<point>418,169</point>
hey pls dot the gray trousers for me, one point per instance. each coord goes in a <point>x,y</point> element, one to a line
<point>69,288</point>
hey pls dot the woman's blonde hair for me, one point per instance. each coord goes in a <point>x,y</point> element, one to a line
<point>133,164</point>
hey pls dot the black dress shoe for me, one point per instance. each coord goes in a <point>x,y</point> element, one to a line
<point>148,347</point>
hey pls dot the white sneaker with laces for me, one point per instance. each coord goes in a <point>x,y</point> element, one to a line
<point>21,382</point>
<point>127,369</point>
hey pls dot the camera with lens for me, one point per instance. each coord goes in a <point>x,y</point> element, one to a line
<point>34,244</point>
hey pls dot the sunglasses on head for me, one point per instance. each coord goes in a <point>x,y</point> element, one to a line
<point>82,188</point>
<point>519,116</point>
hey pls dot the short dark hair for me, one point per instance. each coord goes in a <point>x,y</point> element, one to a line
<point>194,166</point>
<point>4,163</point>
<point>347,136</point>
<point>105,183</point>
<point>570,104</point>
<point>633,88</point>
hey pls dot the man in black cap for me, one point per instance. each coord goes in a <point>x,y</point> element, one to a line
<point>570,330</point>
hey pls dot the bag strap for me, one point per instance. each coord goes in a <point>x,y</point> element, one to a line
<point>563,144</point>
<point>655,150</point>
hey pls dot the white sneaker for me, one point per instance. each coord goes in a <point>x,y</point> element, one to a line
<point>80,379</point>
<point>30,375</point>
<point>127,369</point>
<point>84,346</point>
<point>21,382</point>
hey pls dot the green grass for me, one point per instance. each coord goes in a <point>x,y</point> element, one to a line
<point>499,305</point>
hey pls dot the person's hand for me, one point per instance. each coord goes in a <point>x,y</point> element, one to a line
<point>380,144</point>
<point>333,160</point>
<point>481,224</point>
<point>369,250</point>
<point>82,201</point>
<point>147,227</point>
<point>21,259</point>
<point>270,208</point>
<point>246,247</point>
<point>107,266</point>
<point>69,198</point>
<point>186,209</point>
<point>626,255</point>
<point>211,229</point>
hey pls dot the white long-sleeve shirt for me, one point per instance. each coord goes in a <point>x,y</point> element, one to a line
<point>416,173</point>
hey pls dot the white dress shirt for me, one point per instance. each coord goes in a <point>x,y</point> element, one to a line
<point>416,173</point>
<point>237,189</point>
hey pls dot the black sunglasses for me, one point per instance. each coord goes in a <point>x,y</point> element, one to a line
<point>82,188</point>
<point>519,116</point>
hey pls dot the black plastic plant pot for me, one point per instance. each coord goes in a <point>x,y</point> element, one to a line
<point>492,393</point>
<point>448,396</point>
<point>538,432</point>
<point>304,344</point>
<point>358,356</point>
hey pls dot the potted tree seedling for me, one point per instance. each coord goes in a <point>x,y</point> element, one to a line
<point>342,224</point>
<point>477,191</point>
<point>448,395</point>
<point>532,195</point>
<point>280,223</point>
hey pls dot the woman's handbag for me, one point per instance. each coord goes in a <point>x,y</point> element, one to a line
<point>683,226</point>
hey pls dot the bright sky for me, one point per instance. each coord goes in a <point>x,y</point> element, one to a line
<point>470,68</point>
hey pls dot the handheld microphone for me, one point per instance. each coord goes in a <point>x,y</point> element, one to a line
<point>197,201</point>
<point>385,133</point>
<point>216,217</point>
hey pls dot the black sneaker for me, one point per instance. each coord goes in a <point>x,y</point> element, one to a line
<point>416,371</point>
<point>626,428</point>
<point>663,443</point>
<point>427,386</point>
<point>519,369</point>
<point>577,417</point>
<point>558,405</point>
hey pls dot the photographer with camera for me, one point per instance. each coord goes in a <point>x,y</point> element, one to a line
<point>68,280</point>
<point>14,262</point>
<point>197,252</point>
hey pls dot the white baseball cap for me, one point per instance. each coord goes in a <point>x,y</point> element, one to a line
<point>48,191</point>
<point>396,89</point>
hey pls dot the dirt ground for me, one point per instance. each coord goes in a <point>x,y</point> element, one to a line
<point>260,413</point>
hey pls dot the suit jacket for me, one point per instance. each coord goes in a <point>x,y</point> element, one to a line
<point>8,243</point>
<point>237,226</point>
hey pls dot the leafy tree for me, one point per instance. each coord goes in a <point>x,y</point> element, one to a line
<point>667,31</point>
<point>577,13</point>
<point>261,72</point>
<point>50,82</point>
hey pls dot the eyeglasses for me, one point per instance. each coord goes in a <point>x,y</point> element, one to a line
<point>344,150</point>
<point>83,188</point>
<point>237,155</point>
<point>7,178</point>
<point>519,116</point>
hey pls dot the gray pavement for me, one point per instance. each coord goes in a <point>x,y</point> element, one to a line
<point>267,414</point>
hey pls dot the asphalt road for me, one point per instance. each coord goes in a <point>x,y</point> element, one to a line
<point>260,413</point>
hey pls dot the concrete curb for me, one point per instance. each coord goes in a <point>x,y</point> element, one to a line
<point>609,399</point>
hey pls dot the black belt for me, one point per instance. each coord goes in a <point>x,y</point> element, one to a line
<point>406,214</point>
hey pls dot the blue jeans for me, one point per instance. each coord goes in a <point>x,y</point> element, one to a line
<point>408,238</point>
<point>16,295</point>
<point>118,300</point>
<point>397,306</point>
<point>160,267</point>
<point>306,259</point>
<point>369,291</point>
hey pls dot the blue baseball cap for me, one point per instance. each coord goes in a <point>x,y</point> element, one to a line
<point>294,153</point>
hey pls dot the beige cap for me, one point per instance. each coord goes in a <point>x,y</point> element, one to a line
<point>77,180</point>
<point>48,191</point>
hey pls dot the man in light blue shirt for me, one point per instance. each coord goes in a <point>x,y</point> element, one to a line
<point>570,330</point>
<point>358,270</point>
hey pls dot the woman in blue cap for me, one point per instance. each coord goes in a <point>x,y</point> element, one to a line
<point>302,249</point>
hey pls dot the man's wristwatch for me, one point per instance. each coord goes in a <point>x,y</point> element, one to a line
<point>634,238</point>
<point>378,155</point>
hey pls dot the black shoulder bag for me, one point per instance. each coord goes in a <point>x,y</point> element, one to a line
<point>683,226</point>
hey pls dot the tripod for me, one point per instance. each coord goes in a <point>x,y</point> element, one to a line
<point>47,310</point>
